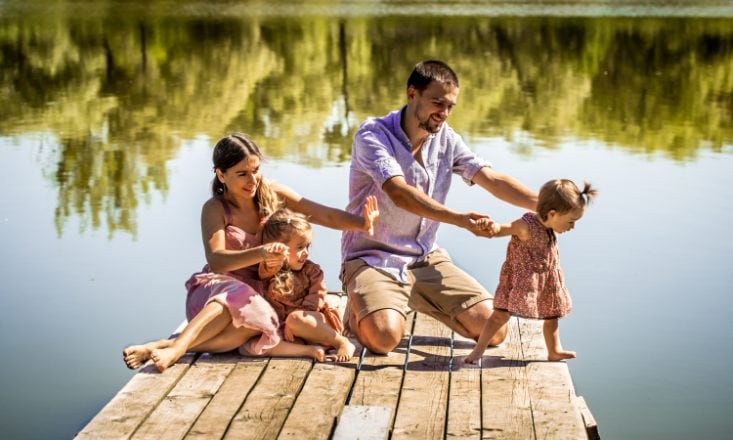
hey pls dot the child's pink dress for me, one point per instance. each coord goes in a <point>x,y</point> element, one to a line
<point>238,290</point>
<point>531,283</point>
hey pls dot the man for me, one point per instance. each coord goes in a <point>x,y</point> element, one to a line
<point>405,159</point>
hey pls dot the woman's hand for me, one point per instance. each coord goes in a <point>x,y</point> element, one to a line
<point>371,214</point>
<point>274,255</point>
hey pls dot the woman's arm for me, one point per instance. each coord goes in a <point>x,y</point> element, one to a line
<point>221,259</point>
<point>327,216</point>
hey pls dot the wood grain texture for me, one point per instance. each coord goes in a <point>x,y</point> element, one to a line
<point>135,401</point>
<point>421,412</point>
<point>266,408</point>
<point>214,420</point>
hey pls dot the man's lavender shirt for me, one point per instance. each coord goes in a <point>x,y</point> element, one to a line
<point>381,150</point>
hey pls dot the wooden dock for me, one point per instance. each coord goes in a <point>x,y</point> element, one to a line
<point>422,390</point>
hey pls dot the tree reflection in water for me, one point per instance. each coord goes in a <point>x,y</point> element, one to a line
<point>121,92</point>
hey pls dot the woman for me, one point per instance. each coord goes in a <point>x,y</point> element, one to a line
<point>224,306</point>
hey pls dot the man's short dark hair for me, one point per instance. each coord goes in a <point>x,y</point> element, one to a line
<point>427,71</point>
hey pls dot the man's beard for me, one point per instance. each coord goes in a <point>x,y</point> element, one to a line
<point>425,125</point>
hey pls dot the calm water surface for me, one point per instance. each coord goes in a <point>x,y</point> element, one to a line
<point>108,115</point>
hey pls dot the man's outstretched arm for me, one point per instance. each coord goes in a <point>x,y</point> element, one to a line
<point>410,199</point>
<point>506,188</point>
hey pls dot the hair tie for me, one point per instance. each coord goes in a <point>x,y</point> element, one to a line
<point>264,220</point>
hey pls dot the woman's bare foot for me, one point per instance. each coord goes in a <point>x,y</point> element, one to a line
<point>344,349</point>
<point>136,355</point>
<point>165,357</point>
<point>560,355</point>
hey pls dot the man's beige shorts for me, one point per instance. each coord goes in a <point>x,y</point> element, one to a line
<point>435,287</point>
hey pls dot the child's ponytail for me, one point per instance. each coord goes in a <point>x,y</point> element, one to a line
<point>562,195</point>
<point>588,194</point>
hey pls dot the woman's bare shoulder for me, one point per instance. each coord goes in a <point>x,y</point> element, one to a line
<point>213,210</point>
<point>213,204</point>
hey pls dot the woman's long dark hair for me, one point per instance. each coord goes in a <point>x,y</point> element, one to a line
<point>229,151</point>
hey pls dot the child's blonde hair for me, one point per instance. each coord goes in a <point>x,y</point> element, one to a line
<point>281,226</point>
<point>562,195</point>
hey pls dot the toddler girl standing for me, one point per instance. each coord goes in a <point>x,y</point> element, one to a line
<point>531,283</point>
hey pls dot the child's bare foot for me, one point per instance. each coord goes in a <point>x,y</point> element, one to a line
<point>165,357</point>
<point>344,349</point>
<point>136,355</point>
<point>472,358</point>
<point>316,352</point>
<point>560,355</point>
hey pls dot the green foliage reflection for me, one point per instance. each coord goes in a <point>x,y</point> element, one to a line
<point>121,93</point>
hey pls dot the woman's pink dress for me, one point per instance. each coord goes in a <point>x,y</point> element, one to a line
<point>239,291</point>
<point>531,283</point>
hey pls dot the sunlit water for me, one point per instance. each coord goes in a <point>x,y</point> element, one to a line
<point>106,131</point>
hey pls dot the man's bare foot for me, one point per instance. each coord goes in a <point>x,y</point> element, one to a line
<point>165,357</point>
<point>136,355</point>
<point>344,349</point>
<point>560,355</point>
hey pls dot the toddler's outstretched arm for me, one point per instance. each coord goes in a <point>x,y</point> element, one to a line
<point>517,227</point>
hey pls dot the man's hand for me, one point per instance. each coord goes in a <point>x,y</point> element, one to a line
<point>481,225</point>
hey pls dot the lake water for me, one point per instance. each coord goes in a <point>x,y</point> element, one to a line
<point>109,111</point>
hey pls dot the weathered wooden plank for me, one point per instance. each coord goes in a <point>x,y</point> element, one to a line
<point>552,396</point>
<point>214,420</point>
<point>135,401</point>
<point>328,384</point>
<point>551,389</point>
<point>173,417</point>
<point>533,341</point>
<point>591,427</point>
<point>320,401</point>
<point>379,379</point>
<point>421,412</point>
<point>506,410</point>
<point>363,423</point>
<point>514,394</point>
<point>464,408</point>
<point>269,403</point>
